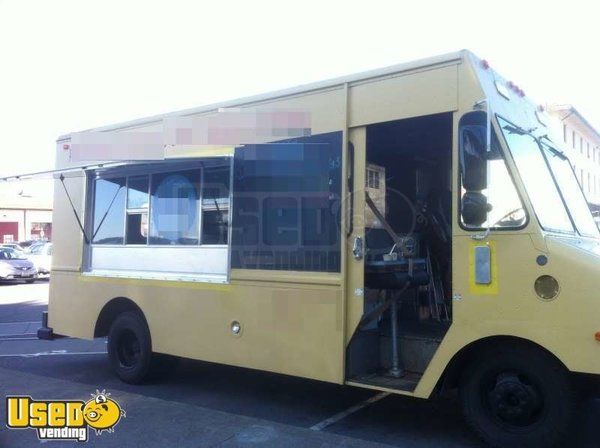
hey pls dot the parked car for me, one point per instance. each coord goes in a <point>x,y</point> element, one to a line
<point>16,267</point>
<point>33,245</point>
<point>41,256</point>
<point>14,246</point>
<point>26,243</point>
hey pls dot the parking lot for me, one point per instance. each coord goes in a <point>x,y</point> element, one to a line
<point>207,405</point>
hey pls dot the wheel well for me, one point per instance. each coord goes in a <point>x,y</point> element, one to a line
<point>110,311</point>
<point>451,376</point>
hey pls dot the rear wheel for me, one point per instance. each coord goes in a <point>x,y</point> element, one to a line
<point>518,397</point>
<point>130,347</point>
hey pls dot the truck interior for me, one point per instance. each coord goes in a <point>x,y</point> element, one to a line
<point>407,256</point>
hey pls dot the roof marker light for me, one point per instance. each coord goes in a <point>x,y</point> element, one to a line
<point>485,64</point>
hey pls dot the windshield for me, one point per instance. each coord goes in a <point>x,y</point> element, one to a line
<point>10,254</point>
<point>536,177</point>
<point>567,182</point>
<point>549,191</point>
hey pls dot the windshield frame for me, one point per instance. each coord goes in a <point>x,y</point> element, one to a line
<point>551,146</point>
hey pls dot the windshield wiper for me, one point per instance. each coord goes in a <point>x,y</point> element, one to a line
<point>514,129</point>
<point>553,150</point>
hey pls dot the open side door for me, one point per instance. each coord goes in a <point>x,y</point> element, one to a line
<point>355,233</point>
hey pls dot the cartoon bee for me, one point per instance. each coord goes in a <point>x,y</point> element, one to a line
<point>102,413</point>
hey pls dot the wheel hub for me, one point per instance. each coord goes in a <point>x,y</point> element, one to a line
<point>514,401</point>
<point>129,350</point>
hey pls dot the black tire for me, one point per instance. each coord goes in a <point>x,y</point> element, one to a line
<point>29,282</point>
<point>518,396</point>
<point>130,347</point>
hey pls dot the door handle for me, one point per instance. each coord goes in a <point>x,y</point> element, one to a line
<point>357,248</point>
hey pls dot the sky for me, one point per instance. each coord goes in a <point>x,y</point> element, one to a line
<point>69,65</point>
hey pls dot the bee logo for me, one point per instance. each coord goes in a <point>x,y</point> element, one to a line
<point>102,413</point>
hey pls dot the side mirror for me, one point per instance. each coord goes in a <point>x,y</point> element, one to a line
<point>474,142</point>
<point>474,208</point>
<point>473,148</point>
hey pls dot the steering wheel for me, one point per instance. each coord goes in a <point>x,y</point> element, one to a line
<point>506,216</point>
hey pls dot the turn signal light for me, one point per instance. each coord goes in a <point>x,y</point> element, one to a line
<point>597,336</point>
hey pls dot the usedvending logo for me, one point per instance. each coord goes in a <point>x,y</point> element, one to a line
<point>64,419</point>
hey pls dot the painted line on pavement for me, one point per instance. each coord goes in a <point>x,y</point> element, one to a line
<point>21,322</point>
<point>351,410</point>
<point>52,353</point>
<point>17,337</point>
<point>27,337</point>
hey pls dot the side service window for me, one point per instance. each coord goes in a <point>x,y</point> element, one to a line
<point>286,213</point>
<point>162,204</point>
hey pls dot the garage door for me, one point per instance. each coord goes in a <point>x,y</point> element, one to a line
<point>9,231</point>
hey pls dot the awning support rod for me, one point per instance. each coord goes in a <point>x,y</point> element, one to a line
<point>85,237</point>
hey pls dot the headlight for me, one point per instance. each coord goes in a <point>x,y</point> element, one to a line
<point>546,287</point>
<point>6,270</point>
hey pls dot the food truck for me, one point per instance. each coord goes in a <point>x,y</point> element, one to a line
<point>412,229</point>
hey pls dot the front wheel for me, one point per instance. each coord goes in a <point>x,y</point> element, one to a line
<point>518,397</point>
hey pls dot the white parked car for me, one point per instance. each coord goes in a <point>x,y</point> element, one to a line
<point>41,256</point>
<point>15,267</point>
<point>14,246</point>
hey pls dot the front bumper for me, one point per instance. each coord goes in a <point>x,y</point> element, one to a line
<point>19,275</point>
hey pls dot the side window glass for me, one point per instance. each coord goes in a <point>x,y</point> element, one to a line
<point>175,208</point>
<point>138,199</point>
<point>215,205</point>
<point>286,212</point>
<point>109,211</point>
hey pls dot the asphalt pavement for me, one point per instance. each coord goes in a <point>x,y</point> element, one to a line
<point>207,405</point>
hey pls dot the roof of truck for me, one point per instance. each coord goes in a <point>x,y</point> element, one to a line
<point>304,88</point>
